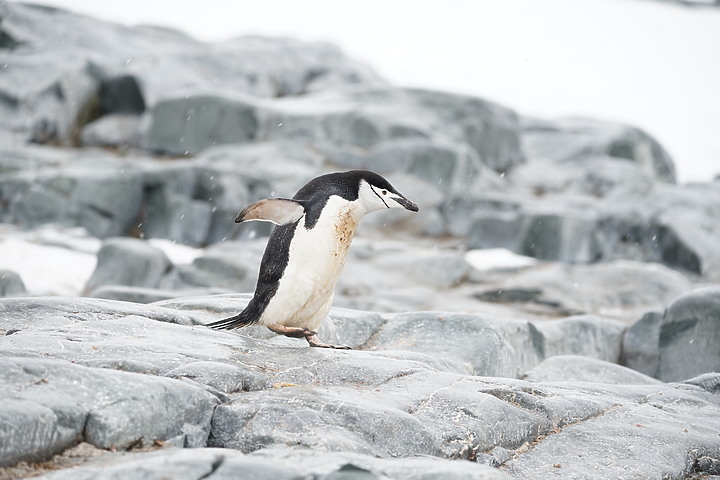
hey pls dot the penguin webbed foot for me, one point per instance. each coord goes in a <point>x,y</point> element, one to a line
<point>307,334</point>
<point>314,341</point>
<point>292,332</point>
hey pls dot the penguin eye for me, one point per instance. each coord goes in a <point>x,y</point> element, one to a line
<point>384,192</point>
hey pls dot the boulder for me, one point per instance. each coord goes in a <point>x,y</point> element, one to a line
<point>188,124</point>
<point>618,289</point>
<point>119,130</point>
<point>94,192</point>
<point>568,140</point>
<point>594,176</point>
<point>11,284</point>
<point>61,80</point>
<point>585,335</point>
<point>574,368</point>
<point>130,262</point>
<point>689,337</point>
<point>669,224</point>
<point>640,348</point>
<point>678,343</point>
<point>53,405</point>
<point>490,129</point>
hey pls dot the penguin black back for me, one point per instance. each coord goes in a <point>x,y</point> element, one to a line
<point>306,251</point>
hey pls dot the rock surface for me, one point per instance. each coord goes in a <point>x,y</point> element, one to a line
<point>402,394</point>
<point>11,284</point>
<point>680,343</point>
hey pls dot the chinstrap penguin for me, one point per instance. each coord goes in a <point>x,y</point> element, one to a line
<point>306,250</point>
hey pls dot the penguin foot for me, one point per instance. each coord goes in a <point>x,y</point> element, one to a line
<point>293,332</point>
<point>314,341</point>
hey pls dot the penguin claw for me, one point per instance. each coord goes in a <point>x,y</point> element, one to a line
<point>314,341</point>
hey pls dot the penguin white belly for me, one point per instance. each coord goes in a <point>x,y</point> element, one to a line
<point>316,258</point>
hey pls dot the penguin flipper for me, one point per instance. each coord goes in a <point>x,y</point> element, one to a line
<point>279,211</point>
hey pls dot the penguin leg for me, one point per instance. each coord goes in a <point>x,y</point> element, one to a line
<point>314,341</point>
<point>294,332</point>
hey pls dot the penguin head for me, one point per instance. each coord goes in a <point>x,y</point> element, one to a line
<point>366,191</point>
<point>376,193</point>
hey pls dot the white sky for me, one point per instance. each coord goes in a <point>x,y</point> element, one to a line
<point>653,65</point>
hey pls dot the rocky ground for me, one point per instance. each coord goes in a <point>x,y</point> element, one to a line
<point>551,312</point>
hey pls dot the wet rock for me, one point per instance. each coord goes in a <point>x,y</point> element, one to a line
<point>128,261</point>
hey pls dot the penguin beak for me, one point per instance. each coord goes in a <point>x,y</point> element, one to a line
<point>406,204</point>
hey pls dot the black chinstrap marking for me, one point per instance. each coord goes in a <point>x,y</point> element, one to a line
<point>381,198</point>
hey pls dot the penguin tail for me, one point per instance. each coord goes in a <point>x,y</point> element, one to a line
<point>238,321</point>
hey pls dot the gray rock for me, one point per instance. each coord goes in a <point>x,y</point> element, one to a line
<point>568,140</point>
<point>640,349</point>
<point>393,402</point>
<point>618,289</point>
<point>96,193</point>
<point>574,368</point>
<point>57,404</point>
<point>189,124</point>
<point>117,130</point>
<point>21,313</point>
<point>491,229</point>
<point>498,347</point>
<point>680,342</point>
<point>11,284</point>
<point>60,80</point>
<point>690,335</point>
<point>128,261</point>
<point>592,176</point>
<point>481,345</point>
<point>492,130</point>
<point>673,225</point>
<point>439,271</point>
<point>706,381</point>
<point>563,234</point>
<point>121,95</point>
<point>274,464</point>
<point>585,335</point>
<point>221,376</point>
<point>234,270</point>
<point>640,430</point>
<point>148,295</point>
